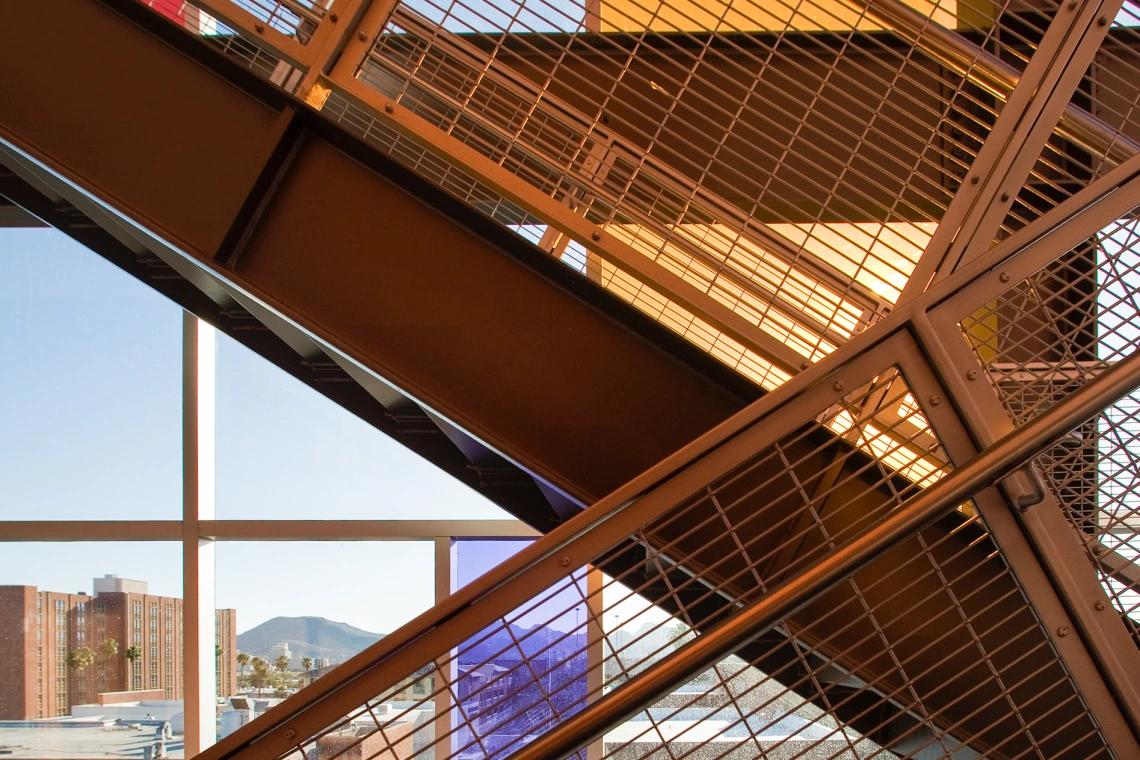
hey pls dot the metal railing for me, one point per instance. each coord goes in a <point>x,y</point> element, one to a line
<point>763,179</point>
<point>529,89</point>
<point>935,647</point>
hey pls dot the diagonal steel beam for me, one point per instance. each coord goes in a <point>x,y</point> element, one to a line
<point>1016,140</point>
<point>679,668</point>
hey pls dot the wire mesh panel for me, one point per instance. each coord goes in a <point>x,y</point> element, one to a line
<point>250,53</point>
<point>772,155</point>
<point>879,668</point>
<point>932,646</point>
<point>1044,338</point>
<point>1109,91</point>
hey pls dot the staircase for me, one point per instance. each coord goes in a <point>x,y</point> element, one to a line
<point>706,317</point>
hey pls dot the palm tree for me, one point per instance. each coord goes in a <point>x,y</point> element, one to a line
<point>282,664</point>
<point>260,672</point>
<point>108,648</point>
<point>242,661</point>
<point>133,654</point>
<point>306,664</point>
<point>80,658</point>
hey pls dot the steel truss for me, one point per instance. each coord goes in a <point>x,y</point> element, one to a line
<point>872,438</point>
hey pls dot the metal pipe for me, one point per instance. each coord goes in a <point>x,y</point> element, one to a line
<point>992,464</point>
<point>994,75</point>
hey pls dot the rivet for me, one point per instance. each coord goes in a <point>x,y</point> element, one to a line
<point>975,179</point>
<point>597,235</point>
<point>564,561</point>
<point>334,18</point>
<point>1063,631</point>
<point>805,364</point>
<point>935,400</point>
<point>362,36</point>
<point>389,108</point>
<point>1072,4</point>
<point>1099,605</point>
<point>289,733</point>
<point>838,385</point>
<point>259,28</point>
<point>1005,196</point>
<point>1102,21</point>
<point>1004,276</point>
<point>972,375</point>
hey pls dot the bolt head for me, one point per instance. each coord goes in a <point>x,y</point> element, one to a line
<point>1100,605</point>
<point>1005,196</point>
<point>972,375</point>
<point>259,28</point>
<point>838,385</point>
<point>1004,276</point>
<point>389,108</point>
<point>564,561</point>
<point>935,400</point>
<point>1102,21</point>
<point>805,364</point>
<point>596,235</point>
<point>289,733</point>
<point>362,36</point>
<point>334,18</point>
<point>1063,631</point>
<point>975,179</point>
<point>1072,5</point>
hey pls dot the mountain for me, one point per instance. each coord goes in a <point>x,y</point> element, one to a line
<point>313,637</point>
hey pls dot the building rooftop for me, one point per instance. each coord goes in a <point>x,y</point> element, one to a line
<point>69,739</point>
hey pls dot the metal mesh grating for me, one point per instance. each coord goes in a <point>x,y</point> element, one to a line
<point>933,645</point>
<point>1044,338</point>
<point>251,54</point>
<point>726,153</point>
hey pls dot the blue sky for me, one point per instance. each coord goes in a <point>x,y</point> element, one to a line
<point>90,428</point>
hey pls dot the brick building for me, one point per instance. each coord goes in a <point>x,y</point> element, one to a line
<point>39,629</point>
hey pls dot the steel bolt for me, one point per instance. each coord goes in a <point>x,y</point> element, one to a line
<point>975,179</point>
<point>564,561</point>
<point>1004,276</point>
<point>289,733</point>
<point>362,36</point>
<point>259,28</point>
<point>389,108</point>
<point>1102,21</point>
<point>597,235</point>
<point>972,375</point>
<point>935,400</point>
<point>838,385</point>
<point>1099,605</point>
<point>805,364</point>
<point>1005,196</point>
<point>1072,4</point>
<point>1063,631</point>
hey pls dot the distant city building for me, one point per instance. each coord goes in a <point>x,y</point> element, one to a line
<point>41,628</point>
<point>225,636</point>
<point>109,584</point>
<point>277,650</point>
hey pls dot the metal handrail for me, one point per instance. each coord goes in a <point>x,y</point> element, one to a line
<point>1011,452</point>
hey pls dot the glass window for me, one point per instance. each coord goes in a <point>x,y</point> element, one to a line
<point>91,409</point>
<point>284,451</point>
<point>289,612</point>
<point>84,677</point>
<point>516,679</point>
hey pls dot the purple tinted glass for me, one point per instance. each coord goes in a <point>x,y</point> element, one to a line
<point>520,677</point>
